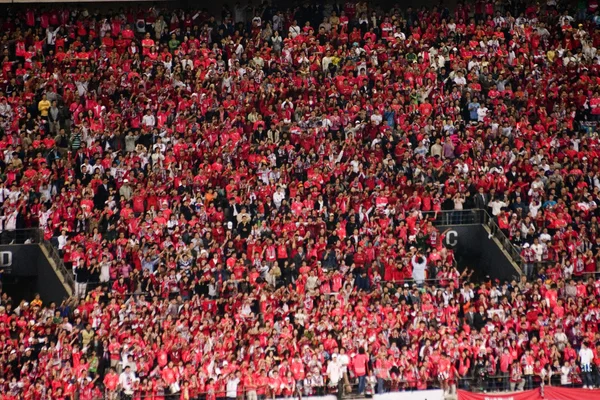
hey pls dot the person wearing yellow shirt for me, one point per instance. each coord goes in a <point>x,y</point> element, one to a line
<point>43,107</point>
<point>37,302</point>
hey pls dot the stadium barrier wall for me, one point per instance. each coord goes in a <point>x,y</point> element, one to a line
<point>543,393</point>
<point>435,394</point>
<point>473,248</point>
<point>416,395</point>
<point>26,268</point>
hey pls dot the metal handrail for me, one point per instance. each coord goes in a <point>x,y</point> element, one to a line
<point>455,217</point>
<point>21,236</point>
<point>507,245</point>
<point>67,276</point>
<point>498,383</point>
<point>475,216</point>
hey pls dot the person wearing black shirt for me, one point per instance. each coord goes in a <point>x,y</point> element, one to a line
<point>244,228</point>
<point>82,275</point>
<point>479,319</point>
<point>93,273</point>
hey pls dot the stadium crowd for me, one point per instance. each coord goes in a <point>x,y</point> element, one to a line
<point>246,199</point>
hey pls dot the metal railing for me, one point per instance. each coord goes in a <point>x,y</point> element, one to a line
<point>476,217</point>
<point>67,276</point>
<point>504,241</point>
<point>456,217</point>
<point>348,389</point>
<point>21,236</point>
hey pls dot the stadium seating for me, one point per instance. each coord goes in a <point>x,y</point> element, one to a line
<point>242,198</point>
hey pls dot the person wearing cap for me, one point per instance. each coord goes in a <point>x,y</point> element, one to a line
<point>126,190</point>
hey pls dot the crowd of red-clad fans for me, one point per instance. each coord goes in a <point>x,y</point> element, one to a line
<point>243,198</point>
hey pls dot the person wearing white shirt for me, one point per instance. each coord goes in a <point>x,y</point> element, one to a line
<point>334,370</point>
<point>127,361</point>
<point>344,361</point>
<point>377,118</point>
<point>327,60</point>
<point>568,269</point>
<point>496,206</point>
<point>294,29</point>
<point>239,50</point>
<point>419,264</point>
<point>482,113</point>
<point>565,19</point>
<point>148,120</point>
<point>538,250</point>
<point>232,385</point>
<point>460,80</point>
<point>44,216</point>
<point>159,145</point>
<point>565,374</point>
<point>8,155</point>
<point>586,355</point>
<point>560,338</point>
<point>187,62</point>
<point>534,206</point>
<point>10,220</point>
<point>278,196</point>
<point>127,380</point>
<point>545,236</point>
<point>51,36</point>
<point>4,193</point>
<point>62,240</point>
<point>5,108</point>
<point>472,64</point>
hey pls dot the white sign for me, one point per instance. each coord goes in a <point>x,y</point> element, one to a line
<point>416,395</point>
<point>5,259</point>
<point>451,238</point>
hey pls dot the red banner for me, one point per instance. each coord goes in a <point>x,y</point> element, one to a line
<point>548,393</point>
<point>560,393</point>
<point>526,395</point>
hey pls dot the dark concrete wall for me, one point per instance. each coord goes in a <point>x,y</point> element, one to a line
<point>30,271</point>
<point>473,249</point>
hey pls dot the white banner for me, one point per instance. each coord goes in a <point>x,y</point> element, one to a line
<point>416,395</point>
<point>328,397</point>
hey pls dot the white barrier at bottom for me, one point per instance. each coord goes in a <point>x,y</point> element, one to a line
<point>328,397</point>
<point>416,395</point>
